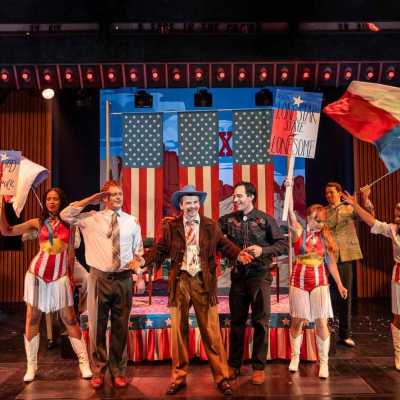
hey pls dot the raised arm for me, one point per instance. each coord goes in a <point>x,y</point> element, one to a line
<point>363,214</point>
<point>16,230</point>
<point>294,224</point>
<point>70,213</point>
<point>366,201</point>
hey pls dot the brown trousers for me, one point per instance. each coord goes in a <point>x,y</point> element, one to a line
<point>190,291</point>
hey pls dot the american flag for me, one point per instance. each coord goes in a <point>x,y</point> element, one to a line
<point>198,156</point>
<point>142,172</point>
<point>251,161</point>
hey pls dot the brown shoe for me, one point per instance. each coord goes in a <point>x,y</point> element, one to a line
<point>225,388</point>
<point>258,377</point>
<point>174,388</point>
<point>233,373</point>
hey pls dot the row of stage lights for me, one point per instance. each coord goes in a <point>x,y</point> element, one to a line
<point>311,75</point>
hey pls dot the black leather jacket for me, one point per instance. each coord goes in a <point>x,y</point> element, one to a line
<point>254,228</point>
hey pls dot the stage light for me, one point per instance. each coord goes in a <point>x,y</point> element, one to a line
<point>133,75</point>
<point>306,74</point>
<point>176,74</point>
<point>47,76</point>
<point>198,74</point>
<point>327,74</point>
<point>390,73</point>
<point>111,76</point>
<point>221,75</point>
<point>155,75</point>
<point>264,98</point>
<point>284,74</point>
<point>48,93</point>
<point>370,73</point>
<point>5,76</point>
<point>263,74</point>
<point>69,76</point>
<point>348,73</point>
<point>203,98</point>
<point>26,75</point>
<point>143,99</point>
<point>373,27</point>
<point>242,74</point>
<point>90,75</point>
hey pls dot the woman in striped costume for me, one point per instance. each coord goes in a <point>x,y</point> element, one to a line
<point>308,289</point>
<point>48,286</point>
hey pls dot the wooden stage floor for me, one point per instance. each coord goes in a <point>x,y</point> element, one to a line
<point>365,372</point>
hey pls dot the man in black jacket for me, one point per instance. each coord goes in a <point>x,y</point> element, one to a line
<point>259,233</point>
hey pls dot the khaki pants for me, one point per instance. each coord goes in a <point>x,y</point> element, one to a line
<point>190,291</point>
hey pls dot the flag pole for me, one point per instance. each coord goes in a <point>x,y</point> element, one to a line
<point>37,197</point>
<point>289,188</point>
<point>288,195</point>
<point>107,175</point>
<point>375,181</point>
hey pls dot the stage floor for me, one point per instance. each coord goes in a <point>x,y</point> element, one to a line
<point>365,372</point>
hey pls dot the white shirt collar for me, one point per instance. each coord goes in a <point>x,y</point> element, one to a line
<point>108,211</point>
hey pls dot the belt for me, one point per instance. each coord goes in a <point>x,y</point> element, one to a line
<point>309,261</point>
<point>121,275</point>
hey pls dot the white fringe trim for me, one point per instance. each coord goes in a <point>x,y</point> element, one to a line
<point>395,298</point>
<point>310,306</point>
<point>48,297</point>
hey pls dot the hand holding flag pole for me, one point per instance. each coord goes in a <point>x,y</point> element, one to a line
<point>289,188</point>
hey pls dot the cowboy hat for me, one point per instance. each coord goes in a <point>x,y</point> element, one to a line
<point>188,190</point>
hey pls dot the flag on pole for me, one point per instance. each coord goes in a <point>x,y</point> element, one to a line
<point>142,172</point>
<point>198,156</point>
<point>371,112</point>
<point>251,161</point>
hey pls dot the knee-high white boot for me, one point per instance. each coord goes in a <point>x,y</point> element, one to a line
<point>396,345</point>
<point>31,349</point>
<point>323,352</point>
<point>79,347</point>
<point>295,344</point>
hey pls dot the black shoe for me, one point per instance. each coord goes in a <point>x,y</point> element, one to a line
<point>225,387</point>
<point>174,388</point>
<point>51,344</point>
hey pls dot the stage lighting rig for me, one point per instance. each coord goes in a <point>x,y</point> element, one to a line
<point>143,99</point>
<point>203,98</point>
<point>264,98</point>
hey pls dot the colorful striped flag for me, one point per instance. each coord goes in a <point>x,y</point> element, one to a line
<point>371,112</point>
<point>198,156</point>
<point>251,161</point>
<point>142,172</point>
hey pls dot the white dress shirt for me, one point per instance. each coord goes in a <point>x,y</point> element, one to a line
<point>95,226</point>
<point>390,231</point>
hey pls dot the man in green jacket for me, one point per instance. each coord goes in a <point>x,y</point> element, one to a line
<point>341,219</point>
